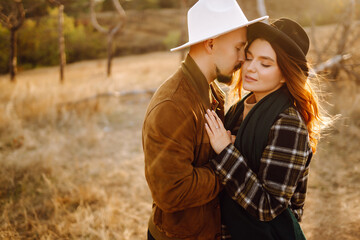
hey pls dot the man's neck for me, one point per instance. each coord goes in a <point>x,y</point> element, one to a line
<point>203,63</point>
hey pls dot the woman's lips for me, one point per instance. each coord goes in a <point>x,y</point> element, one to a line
<point>249,79</point>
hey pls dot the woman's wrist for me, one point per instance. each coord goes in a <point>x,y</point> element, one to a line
<point>222,149</point>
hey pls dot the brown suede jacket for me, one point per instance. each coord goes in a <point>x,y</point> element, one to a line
<point>177,150</point>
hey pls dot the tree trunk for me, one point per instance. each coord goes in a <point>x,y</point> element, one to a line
<point>13,54</point>
<point>110,32</point>
<point>262,8</point>
<point>61,43</point>
<point>183,27</point>
<point>110,53</point>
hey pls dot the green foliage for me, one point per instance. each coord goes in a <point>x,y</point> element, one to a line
<point>38,42</point>
<point>82,42</point>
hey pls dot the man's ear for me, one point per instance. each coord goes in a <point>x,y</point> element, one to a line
<point>209,45</point>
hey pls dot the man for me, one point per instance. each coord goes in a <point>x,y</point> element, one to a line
<point>175,143</point>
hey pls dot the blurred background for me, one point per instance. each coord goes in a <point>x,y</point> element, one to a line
<point>75,81</point>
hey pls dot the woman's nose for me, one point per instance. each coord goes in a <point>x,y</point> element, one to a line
<point>250,66</point>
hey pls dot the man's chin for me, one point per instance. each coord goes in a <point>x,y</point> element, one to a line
<point>226,79</point>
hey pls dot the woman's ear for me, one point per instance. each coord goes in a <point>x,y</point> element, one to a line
<point>282,80</point>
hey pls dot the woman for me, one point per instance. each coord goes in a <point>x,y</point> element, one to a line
<point>277,125</point>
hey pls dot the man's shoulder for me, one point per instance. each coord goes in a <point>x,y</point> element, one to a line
<point>170,85</point>
<point>175,89</point>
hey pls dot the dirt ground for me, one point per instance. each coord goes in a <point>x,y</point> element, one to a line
<point>76,171</point>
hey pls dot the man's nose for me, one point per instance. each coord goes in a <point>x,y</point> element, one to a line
<point>241,56</point>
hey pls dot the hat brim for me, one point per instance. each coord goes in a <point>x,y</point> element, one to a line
<point>273,34</point>
<point>188,44</point>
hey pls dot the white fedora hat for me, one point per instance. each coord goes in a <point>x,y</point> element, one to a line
<point>211,18</point>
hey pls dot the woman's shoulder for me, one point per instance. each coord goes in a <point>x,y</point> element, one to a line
<point>291,117</point>
<point>290,130</point>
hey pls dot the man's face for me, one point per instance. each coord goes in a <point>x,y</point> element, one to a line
<point>228,53</point>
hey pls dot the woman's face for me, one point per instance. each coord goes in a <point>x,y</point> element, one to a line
<point>260,72</point>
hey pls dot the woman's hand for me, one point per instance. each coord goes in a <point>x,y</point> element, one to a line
<point>219,137</point>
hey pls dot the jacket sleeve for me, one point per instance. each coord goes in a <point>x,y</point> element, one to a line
<point>168,142</point>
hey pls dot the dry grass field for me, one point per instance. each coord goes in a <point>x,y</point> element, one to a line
<point>76,171</point>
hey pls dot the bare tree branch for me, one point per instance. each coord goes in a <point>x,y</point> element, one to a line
<point>94,21</point>
<point>183,30</point>
<point>262,9</point>
<point>119,9</point>
<point>54,2</point>
<point>344,35</point>
<point>33,7</point>
<point>111,31</point>
<point>5,20</point>
<point>329,63</point>
<point>352,74</point>
<point>356,33</point>
<point>21,13</point>
<point>350,13</point>
<point>102,29</point>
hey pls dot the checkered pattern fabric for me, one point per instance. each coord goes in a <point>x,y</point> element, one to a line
<point>282,178</point>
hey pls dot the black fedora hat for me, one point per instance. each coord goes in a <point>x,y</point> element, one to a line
<point>288,34</point>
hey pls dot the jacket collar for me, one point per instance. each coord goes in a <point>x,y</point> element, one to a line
<point>197,79</point>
